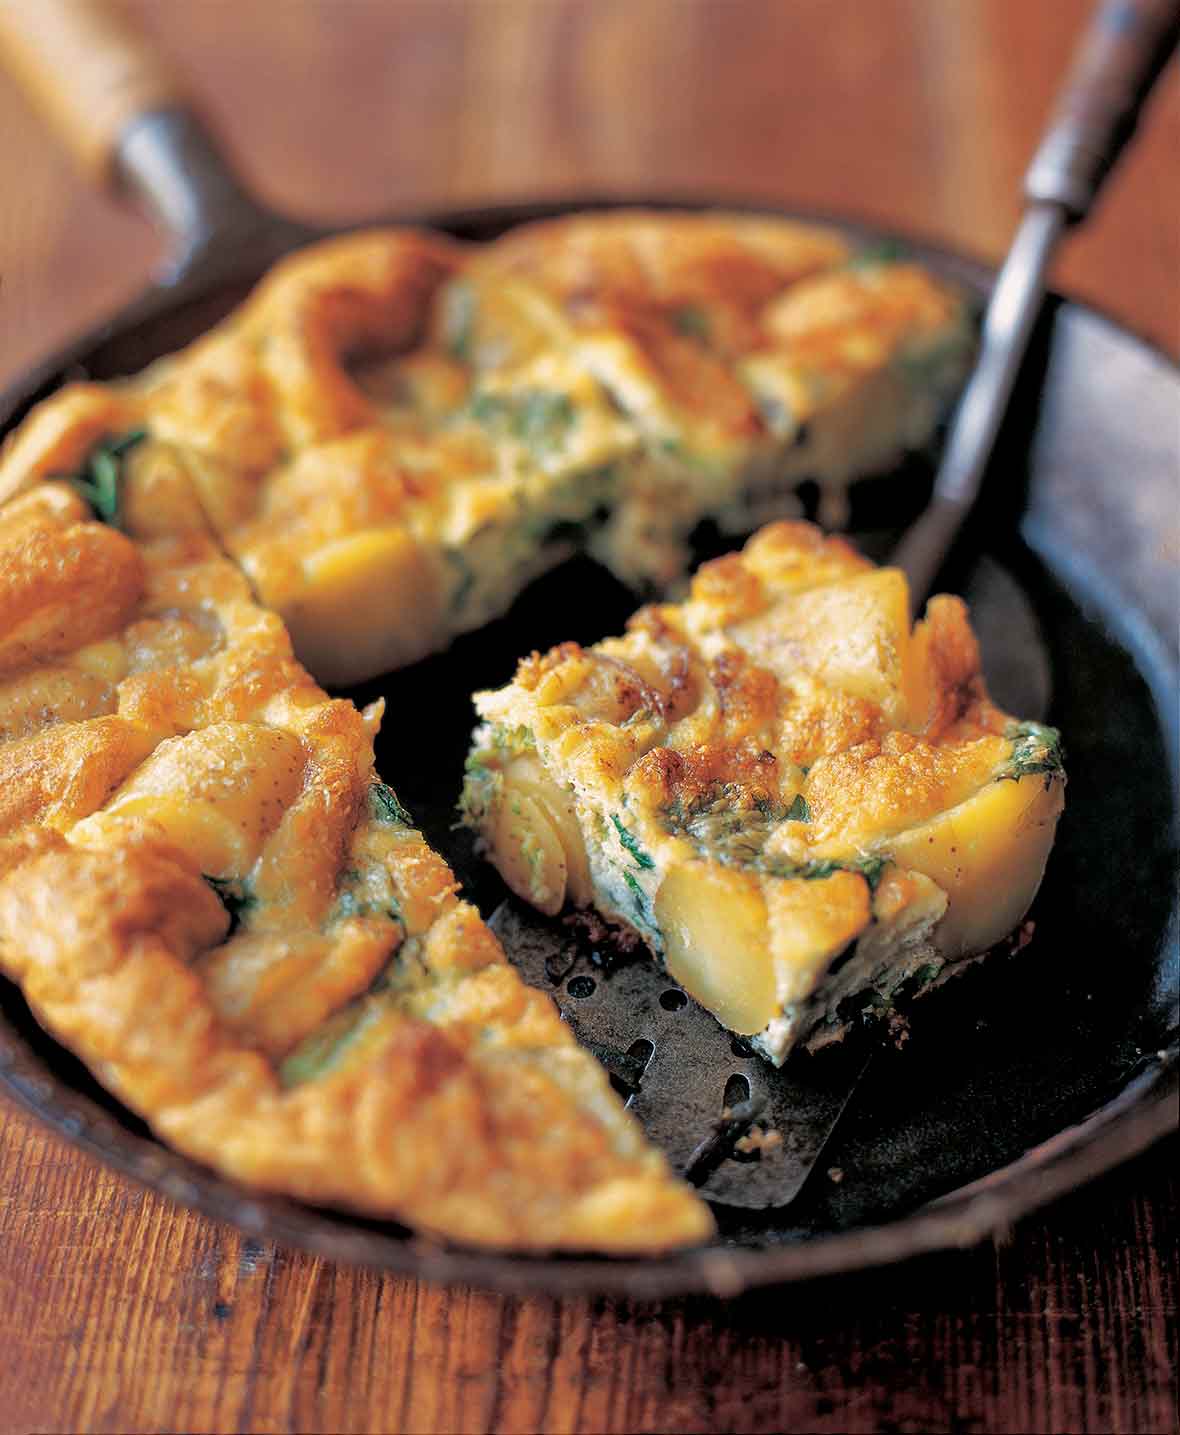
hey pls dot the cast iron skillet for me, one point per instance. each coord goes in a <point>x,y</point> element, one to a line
<point>1022,1079</point>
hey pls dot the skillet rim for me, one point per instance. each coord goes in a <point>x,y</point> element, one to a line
<point>1139,1115</point>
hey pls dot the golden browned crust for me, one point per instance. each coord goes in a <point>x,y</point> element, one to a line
<point>394,416</point>
<point>771,775</point>
<point>657,286</point>
<point>483,1121</point>
<point>725,330</point>
<point>336,1024</point>
<point>632,262</point>
<point>62,585</point>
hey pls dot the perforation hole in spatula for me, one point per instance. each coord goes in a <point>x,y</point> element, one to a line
<point>698,1090</point>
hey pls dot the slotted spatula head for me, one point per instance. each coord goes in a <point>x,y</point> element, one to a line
<point>696,1089</point>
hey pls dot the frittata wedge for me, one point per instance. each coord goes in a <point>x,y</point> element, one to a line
<point>208,894</point>
<point>396,433</point>
<point>799,804</point>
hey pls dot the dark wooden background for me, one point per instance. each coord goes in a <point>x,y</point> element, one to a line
<point>120,1312</point>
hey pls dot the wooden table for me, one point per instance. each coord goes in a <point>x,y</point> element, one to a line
<point>121,1312</point>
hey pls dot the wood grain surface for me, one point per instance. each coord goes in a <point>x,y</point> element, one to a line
<point>121,1312</point>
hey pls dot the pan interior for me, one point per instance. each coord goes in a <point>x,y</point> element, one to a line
<point>998,1061</point>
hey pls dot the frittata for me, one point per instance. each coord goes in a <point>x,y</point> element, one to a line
<point>209,895</point>
<point>800,805</point>
<point>396,433</point>
<point>207,891</point>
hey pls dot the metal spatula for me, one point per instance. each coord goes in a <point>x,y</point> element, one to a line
<point>699,1092</point>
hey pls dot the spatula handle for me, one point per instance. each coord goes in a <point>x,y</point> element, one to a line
<point>1126,45</point>
<point>88,72</point>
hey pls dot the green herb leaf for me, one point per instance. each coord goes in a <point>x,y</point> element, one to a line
<point>385,807</point>
<point>933,364</point>
<point>98,482</point>
<point>630,844</point>
<point>799,810</point>
<point>325,1047</point>
<point>1035,748</point>
<point>119,446</point>
<point>513,740</point>
<point>544,418</point>
<point>640,897</point>
<point>575,510</point>
<point>536,417</point>
<point>481,785</point>
<point>692,322</point>
<point>727,823</point>
<point>870,868</point>
<point>348,904</point>
<point>466,574</point>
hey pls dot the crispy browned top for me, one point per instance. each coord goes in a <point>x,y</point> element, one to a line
<point>330,1021</point>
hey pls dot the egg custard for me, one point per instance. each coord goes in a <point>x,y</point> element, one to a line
<point>396,433</point>
<point>800,805</point>
<point>209,895</point>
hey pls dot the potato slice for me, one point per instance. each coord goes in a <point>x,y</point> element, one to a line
<point>862,796</point>
<point>369,603</point>
<point>217,793</point>
<point>276,989</point>
<point>716,942</point>
<point>526,776</point>
<point>988,855</point>
<point>810,922</point>
<point>40,697</point>
<point>778,744</point>
<point>854,636</point>
<point>64,772</point>
<point>534,837</point>
<point>106,659</point>
<point>528,853</point>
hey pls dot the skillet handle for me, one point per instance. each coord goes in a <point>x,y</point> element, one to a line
<point>88,73</point>
<point>126,119</point>
<point>1126,46</point>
